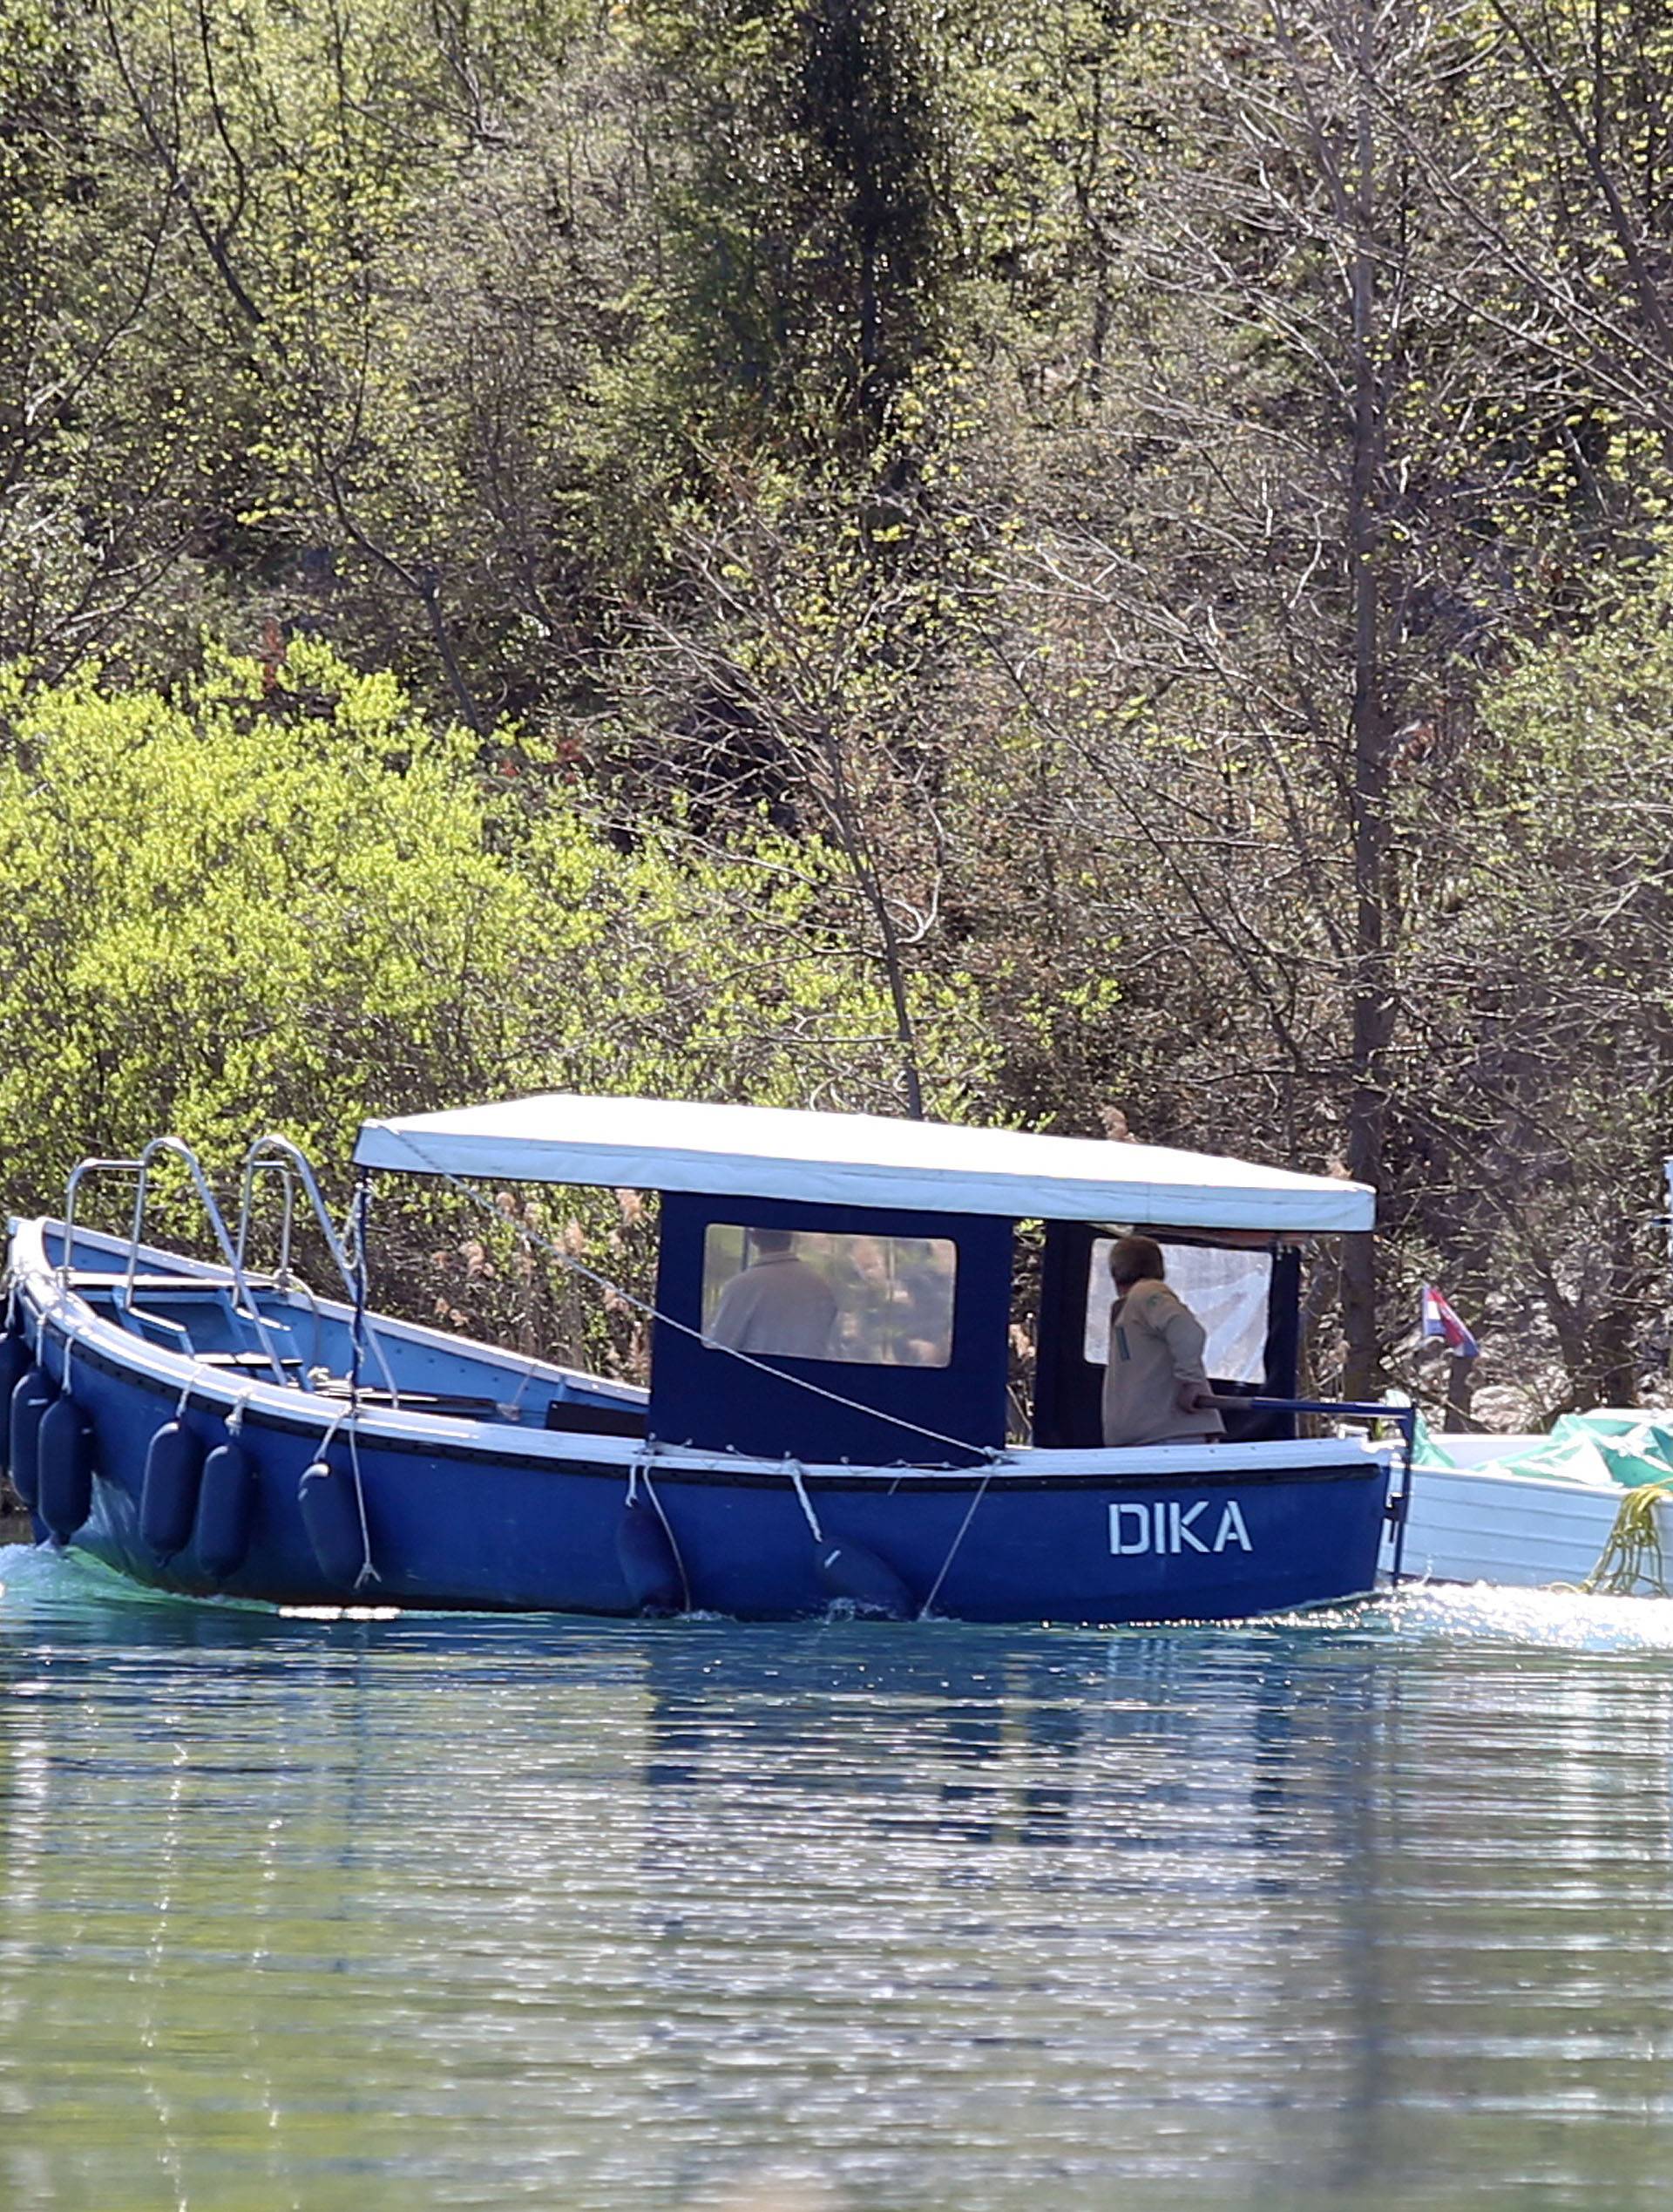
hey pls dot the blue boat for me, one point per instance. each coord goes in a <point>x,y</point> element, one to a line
<point>829,1419</point>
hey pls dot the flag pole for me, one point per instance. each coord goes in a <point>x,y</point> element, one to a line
<point>1460,1383</point>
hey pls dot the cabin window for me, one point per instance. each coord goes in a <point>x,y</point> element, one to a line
<point>1227,1291</point>
<point>810,1294</point>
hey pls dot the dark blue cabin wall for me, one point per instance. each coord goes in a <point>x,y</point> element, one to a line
<point>708,1398</point>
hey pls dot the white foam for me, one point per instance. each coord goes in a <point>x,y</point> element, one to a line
<point>1552,1620</point>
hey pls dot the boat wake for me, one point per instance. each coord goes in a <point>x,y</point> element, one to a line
<point>24,1566</point>
<point>39,1582</point>
<point>1554,1619</point>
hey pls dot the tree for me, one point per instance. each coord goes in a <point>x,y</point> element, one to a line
<point>286,898</point>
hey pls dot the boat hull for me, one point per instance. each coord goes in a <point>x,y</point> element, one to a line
<point>1475,1525</point>
<point>440,1514</point>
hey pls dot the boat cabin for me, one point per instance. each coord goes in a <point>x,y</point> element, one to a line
<point>838,1287</point>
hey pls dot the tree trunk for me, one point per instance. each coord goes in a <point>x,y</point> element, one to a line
<point>1368,724</point>
<point>1460,1385</point>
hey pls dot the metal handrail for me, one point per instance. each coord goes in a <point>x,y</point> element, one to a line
<point>278,1154</point>
<point>281,1274</point>
<point>244,1301</point>
<point>81,1169</point>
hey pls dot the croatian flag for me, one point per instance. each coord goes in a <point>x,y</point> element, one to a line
<point>1439,1320</point>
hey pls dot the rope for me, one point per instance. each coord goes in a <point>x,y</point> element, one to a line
<point>322,1458</point>
<point>330,1435</point>
<point>511,1407</point>
<point>358,1335</point>
<point>185,1394</point>
<point>368,1571</point>
<point>952,1549</point>
<point>57,1307</point>
<point>793,1469</point>
<point>673,1542</point>
<point>994,1455</point>
<point>1633,1555</point>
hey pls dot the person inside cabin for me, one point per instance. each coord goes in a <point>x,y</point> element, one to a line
<point>894,1302</point>
<point>1156,1387</point>
<point>778,1306</point>
<point>923,1296</point>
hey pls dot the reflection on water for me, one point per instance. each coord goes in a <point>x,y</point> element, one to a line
<point>1364,1910</point>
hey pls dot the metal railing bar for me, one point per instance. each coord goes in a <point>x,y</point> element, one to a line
<point>273,1151</point>
<point>244,1298</point>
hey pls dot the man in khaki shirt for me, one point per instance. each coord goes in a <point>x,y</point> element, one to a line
<point>1156,1388</point>
<point>779,1306</point>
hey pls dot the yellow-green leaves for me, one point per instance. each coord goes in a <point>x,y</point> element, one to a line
<point>280,896</point>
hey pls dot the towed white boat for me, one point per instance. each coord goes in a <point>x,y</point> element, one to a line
<point>1586,1507</point>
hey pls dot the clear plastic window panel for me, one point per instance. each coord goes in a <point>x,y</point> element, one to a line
<point>811,1294</point>
<point>1227,1291</point>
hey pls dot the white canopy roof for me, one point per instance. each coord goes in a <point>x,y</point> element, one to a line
<point>856,1159</point>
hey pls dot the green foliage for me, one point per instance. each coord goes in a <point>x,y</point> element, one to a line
<point>898,480</point>
<point>292,902</point>
<point>810,238</point>
<point>1536,969</point>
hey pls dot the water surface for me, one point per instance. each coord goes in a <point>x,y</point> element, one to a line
<point>371,1916</point>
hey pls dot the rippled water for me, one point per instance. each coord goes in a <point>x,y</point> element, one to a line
<point>1371,1909</point>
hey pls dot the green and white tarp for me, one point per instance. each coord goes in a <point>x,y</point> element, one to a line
<point>1623,1445</point>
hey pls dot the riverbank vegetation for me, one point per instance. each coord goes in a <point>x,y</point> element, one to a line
<point>1078,565</point>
